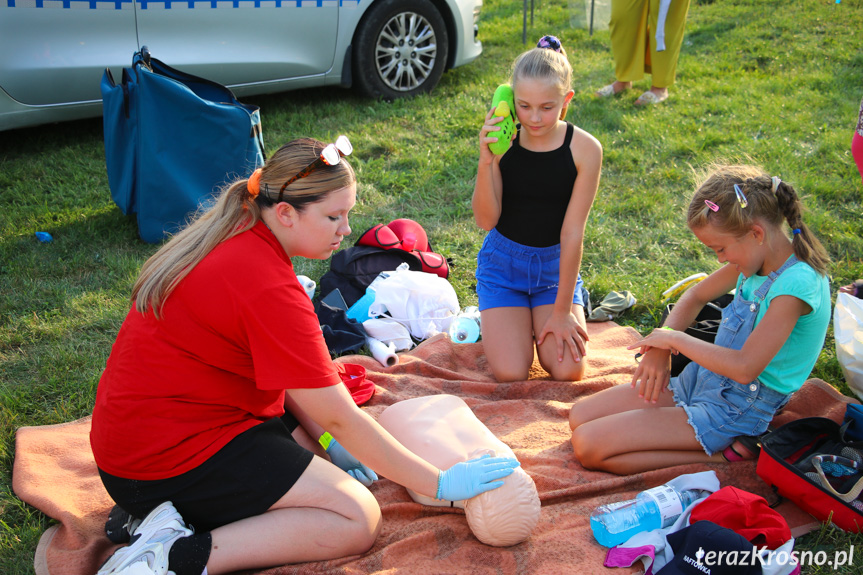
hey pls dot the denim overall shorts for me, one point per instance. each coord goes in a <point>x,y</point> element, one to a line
<point>719,408</point>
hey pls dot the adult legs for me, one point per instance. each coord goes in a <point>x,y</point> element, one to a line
<point>568,369</point>
<point>507,339</point>
<point>325,515</point>
<point>628,27</point>
<point>663,65</point>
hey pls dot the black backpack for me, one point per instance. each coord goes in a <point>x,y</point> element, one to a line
<point>353,269</point>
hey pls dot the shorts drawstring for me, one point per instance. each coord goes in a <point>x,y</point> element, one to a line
<point>539,275</point>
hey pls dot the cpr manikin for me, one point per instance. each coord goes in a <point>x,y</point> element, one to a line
<point>444,431</point>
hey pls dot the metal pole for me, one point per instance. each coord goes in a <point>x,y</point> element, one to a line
<point>591,16</point>
<point>524,24</point>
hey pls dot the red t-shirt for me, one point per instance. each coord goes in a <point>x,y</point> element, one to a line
<point>235,333</point>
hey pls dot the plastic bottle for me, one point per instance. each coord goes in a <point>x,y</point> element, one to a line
<point>615,523</point>
<point>466,327</point>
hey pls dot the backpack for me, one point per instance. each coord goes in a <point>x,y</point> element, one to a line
<point>705,327</point>
<point>407,235</point>
<point>810,462</point>
<point>353,269</point>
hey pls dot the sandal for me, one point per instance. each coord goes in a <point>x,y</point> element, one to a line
<point>608,91</point>
<point>743,448</point>
<point>649,98</point>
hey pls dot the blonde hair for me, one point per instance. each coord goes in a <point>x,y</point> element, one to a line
<point>547,65</point>
<point>770,206</point>
<point>234,212</point>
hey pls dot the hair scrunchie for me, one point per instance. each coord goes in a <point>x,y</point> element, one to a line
<point>776,181</point>
<point>549,42</point>
<point>254,183</point>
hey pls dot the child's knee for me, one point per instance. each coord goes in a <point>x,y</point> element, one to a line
<point>587,451</point>
<point>566,370</point>
<point>508,376</point>
<point>510,372</point>
<point>576,416</point>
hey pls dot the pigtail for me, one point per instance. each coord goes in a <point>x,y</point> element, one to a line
<point>806,246</point>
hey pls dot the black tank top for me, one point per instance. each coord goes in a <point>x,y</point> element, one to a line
<point>537,187</point>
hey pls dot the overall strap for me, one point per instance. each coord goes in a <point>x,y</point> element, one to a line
<point>772,276</point>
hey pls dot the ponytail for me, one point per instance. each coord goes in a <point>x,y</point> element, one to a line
<point>233,213</point>
<point>806,246</point>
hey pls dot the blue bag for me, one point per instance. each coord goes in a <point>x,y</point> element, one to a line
<point>172,140</point>
<point>854,422</point>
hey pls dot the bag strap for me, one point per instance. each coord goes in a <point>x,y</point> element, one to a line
<point>854,492</point>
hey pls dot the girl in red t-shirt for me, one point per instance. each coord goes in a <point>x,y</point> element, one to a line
<point>220,382</point>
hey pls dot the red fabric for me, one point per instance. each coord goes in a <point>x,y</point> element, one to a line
<point>746,514</point>
<point>354,378</point>
<point>234,334</point>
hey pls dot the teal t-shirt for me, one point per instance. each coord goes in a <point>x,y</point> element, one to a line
<point>791,367</point>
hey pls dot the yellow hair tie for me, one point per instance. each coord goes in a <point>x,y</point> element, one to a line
<point>254,183</point>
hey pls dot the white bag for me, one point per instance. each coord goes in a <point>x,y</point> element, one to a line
<point>424,303</point>
<point>848,334</point>
<point>389,331</point>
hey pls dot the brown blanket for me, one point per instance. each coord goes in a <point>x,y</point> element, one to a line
<point>55,473</point>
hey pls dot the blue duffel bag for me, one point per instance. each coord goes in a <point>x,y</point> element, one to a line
<point>172,141</point>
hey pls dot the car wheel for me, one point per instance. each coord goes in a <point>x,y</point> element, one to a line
<point>401,49</point>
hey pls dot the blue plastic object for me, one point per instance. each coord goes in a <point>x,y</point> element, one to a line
<point>360,310</point>
<point>466,327</point>
<point>44,237</point>
<point>615,523</point>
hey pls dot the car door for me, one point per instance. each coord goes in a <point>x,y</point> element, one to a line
<point>54,52</point>
<point>239,42</point>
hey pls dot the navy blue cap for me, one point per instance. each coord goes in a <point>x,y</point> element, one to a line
<point>705,548</point>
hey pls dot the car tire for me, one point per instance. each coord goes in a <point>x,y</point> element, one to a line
<point>401,49</point>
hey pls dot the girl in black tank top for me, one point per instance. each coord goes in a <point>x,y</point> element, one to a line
<point>534,201</point>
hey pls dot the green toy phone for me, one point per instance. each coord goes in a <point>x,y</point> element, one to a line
<point>505,108</point>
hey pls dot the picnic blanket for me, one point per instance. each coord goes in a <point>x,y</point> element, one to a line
<point>54,470</point>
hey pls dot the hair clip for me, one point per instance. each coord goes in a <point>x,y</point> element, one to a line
<point>550,42</point>
<point>254,183</point>
<point>740,196</point>
<point>711,205</point>
<point>776,181</point>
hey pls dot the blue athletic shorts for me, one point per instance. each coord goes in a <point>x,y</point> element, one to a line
<point>514,275</point>
<point>720,409</point>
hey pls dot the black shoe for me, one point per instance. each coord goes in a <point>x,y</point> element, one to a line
<point>120,525</point>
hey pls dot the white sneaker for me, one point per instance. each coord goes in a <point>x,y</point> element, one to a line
<point>149,559</point>
<point>147,554</point>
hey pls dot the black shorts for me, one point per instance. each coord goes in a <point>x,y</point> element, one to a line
<point>243,479</point>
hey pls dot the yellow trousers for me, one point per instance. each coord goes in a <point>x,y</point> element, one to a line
<point>633,29</point>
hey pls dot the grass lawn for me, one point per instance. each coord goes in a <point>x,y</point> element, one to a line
<point>773,82</point>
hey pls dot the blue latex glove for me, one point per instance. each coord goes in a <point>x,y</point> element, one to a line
<point>470,478</point>
<point>350,464</point>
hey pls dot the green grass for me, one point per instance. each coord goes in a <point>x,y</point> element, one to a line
<point>767,81</point>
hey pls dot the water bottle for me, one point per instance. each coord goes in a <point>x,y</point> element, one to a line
<point>465,328</point>
<point>655,508</point>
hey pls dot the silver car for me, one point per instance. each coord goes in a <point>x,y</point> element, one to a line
<point>53,52</point>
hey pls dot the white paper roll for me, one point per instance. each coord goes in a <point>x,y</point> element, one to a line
<point>308,284</point>
<point>383,353</point>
